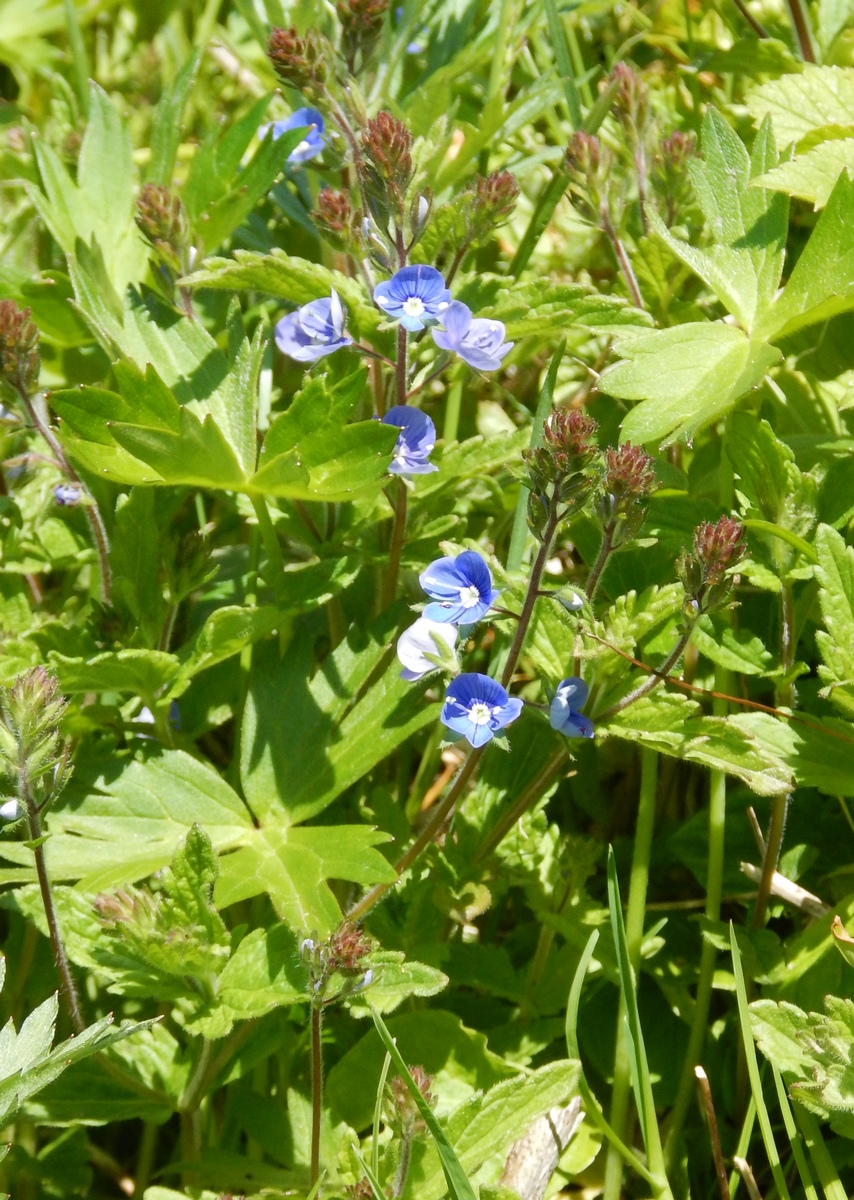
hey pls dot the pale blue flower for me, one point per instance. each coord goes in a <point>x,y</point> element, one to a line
<point>462,588</point>
<point>478,341</point>
<point>68,495</point>
<point>415,443</point>
<point>477,707</point>
<point>416,642</point>
<point>313,331</point>
<point>564,716</point>
<point>313,142</point>
<point>415,296</point>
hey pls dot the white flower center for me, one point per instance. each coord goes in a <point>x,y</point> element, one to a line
<point>413,307</point>
<point>469,596</point>
<point>304,145</point>
<point>479,713</point>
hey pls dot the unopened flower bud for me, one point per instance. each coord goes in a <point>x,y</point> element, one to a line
<point>31,746</point>
<point>628,481</point>
<point>380,250</point>
<point>562,468</point>
<point>573,431</point>
<point>495,198</point>
<point>386,166</point>
<point>419,212</point>
<point>402,1112</point>
<point>669,174</point>
<point>582,155</point>
<point>632,98</point>
<point>706,571</point>
<point>300,61</point>
<point>361,24</point>
<point>20,361</point>
<point>162,220</point>
<point>336,219</point>
<point>588,164</point>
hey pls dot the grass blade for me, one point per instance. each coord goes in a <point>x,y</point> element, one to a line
<point>378,1115</point>
<point>458,1185</point>
<point>794,1136</point>
<point>830,1182</point>
<point>564,64</point>
<point>753,1070</point>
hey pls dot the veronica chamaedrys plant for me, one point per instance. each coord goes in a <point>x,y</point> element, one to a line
<point>419,647</point>
<point>415,443</point>
<point>478,341</point>
<point>478,708</point>
<point>314,142</point>
<point>564,712</point>
<point>414,296</point>
<point>313,331</point>
<point>460,587</point>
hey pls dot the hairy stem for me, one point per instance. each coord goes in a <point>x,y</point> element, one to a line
<point>523,802</point>
<point>62,965</point>
<point>400,365</point>
<point>533,590</point>
<point>602,557</point>
<point>652,681</point>
<point>621,257</point>
<point>397,537</point>
<point>316,1089</point>
<point>708,954</point>
<point>93,513</point>
<point>268,534</point>
<point>800,23</point>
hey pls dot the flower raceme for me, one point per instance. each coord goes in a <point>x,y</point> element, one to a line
<point>461,588</point>
<point>313,331</point>
<point>415,442</point>
<point>478,707</point>
<point>571,695</point>
<point>313,142</point>
<point>415,296</point>
<point>478,341</point>
<point>419,640</point>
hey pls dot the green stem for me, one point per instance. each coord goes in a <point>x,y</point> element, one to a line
<point>602,557</point>
<point>452,412</point>
<point>59,954</point>
<point>145,1158</point>
<point>545,400</point>
<point>523,802</point>
<point>398,533</point>
<point>316,1089</point>
<point>268,535</point>
<point>400,365</point>
<point>651,681</point>
<point>533,590</point>
<point>635,914</point>
<point>622,258</point>
<point>709,953</point>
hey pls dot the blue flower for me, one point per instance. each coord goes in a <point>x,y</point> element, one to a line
<point>313,142</point>
<point>419,640</point>
<point>313,331</point>
<point>462,587</point>
<point>416,441</point>
<point>68,495</point>
<point>477,341</point>
<point>477,707</point>
<point>415,296</point>
<point>564,716</point>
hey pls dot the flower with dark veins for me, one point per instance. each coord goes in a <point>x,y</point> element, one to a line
<point>461,588</point>
<point>477,340</point>
<point>313,142</point>
<point>415,443</point>
<point>419,640</point>
<point>313,331</point>
<point>415,296</point>
<point>478,707</point>
<point>571,695</point>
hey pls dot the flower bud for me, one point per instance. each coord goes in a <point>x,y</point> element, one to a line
<point>386,166</point>
<point>162,220</point>
<point>31,747</point>
<point>495,198</point>
<point>419,213</point>
<point>628,482</point>
<point>669,172</point>
<point>403,1115</point>
<point>361,25</point>
<point>588,164</point>
<point>20,361</point>
<point>632,99</point>
<point>301,62</point>
<point>563,466</point>
<point>705,573</point>
<point>336,219</point>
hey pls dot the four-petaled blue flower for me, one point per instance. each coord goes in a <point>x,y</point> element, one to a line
<point>564,716</point>
<point>415,296</point>
<point>419,640</point>
<point>313,331</point>
<point>477,341</point>
<point>313,142</point>
<point>416,441</point>
<point>477,707</point>
<point>461,587</point>
<point>68,495</point>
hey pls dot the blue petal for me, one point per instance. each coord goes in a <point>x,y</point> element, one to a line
<point>442,580</point>
<point>474,570</point>
<point>509,712</point>
<point>448,614</point>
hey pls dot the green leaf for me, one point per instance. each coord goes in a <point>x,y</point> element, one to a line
<point>818,754</point>
<point>292,865</point>
<point>291,280</point>
<point>816,99</point>
<point>142,672</point>
<point>166,130</point>
<point>835,574</point>
<point>822,283</point>
<point>812,176</point>
<point>748,224</point>
<point>736,650</point>
<point>227,631</point>
<point>135,562</point>
<point>395,980</point>
<point>833,16</point>
<point>539,309</point>
<point>339,742</point>
<point>687,377</point>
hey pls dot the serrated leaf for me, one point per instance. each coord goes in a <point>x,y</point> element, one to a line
<point>395,979</point>
<point>835,574</point>
<point>142,672</point>
<point>818,754</point>
<point>227,631</point>
<point>814,99</point>
<point>812,176</point>
<point>686,377</point>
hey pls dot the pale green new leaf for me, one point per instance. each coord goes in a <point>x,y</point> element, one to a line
<point>686,377</point>
<point>394,980</point>
<point>812,176</point>
<point>817,100</point>
<point>833,16</point>
<point>817,754</point>
<point>835,574</point>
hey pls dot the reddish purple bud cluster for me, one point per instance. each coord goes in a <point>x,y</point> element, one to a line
<point>706,572</point>
<point>571,431</point>
<point>632,98</point>
<point>386,166</point>
<point>20,360</point>
<point>300,61</point>
<point>336,219</point>
<point>346,949</point>
<point>405,1118</point>
<point>629,471</point>
<point>361,24</point>
<point>562,469</point>
<point>495,198</point>
<point>162,221</point>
